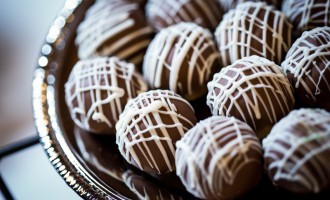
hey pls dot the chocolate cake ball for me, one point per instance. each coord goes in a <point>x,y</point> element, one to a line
<point>254,90</point>
<point>253,28</point>
<point>226,5</point>
<point>181,58</point>
<point>307,66</point>
<point>307,14</point>
<point>219,158</point>
<point>97,91</point>
<point>149,127</point>
<point>114,28</point>
<point>163,13</point>
<point>297,151</point>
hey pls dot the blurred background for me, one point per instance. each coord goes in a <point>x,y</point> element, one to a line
<point>23,26</point>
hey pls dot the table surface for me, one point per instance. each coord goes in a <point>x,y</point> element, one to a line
<point>27,173</point>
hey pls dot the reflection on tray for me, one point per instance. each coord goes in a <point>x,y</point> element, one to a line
<point>146,189</point>
<point>101,155</point>
<point>98,151</point>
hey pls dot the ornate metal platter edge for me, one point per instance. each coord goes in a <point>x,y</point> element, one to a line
<point>46,118</point>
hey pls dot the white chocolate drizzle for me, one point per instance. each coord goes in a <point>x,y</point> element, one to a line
<point>107,20</point>
<point>307,14</point>
<point>201,12</point>
<point>178,40</point>
<point>213,152</point>
<point>243,32</point>
<point>135,128</point>
<point>95,77</point>
<point>246,79</point>
<point>300,138</point>
<point>301,62</point>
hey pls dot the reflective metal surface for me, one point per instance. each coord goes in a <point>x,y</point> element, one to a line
<point>45,106</point>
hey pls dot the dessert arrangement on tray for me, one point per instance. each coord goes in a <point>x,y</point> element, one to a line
<point>222,95</point>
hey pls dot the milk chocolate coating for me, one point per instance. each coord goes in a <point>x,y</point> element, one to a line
<point>253,28</point>
<point>254,90</point>
<point>308,69</point>
<point>297,151</point>
<point>163,13</point>
<point>149,127</point>
<point>307,14</point>
<point>97,91</point>
<point>114,28</point>
<point>219,158</point>
<point>181,58</point>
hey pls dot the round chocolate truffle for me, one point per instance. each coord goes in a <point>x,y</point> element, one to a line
<point>307,14</point>
<point>253,28</point>
<point>181,58</point>
<point>97,91</point>
<point>149,127</point>
<point>219,158</point>
<point>254,90</point>
<point>307,66</point>
<point>297,151</point>
<point>226,5</point>
<point>163,13</point>
<point>114,28</point>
